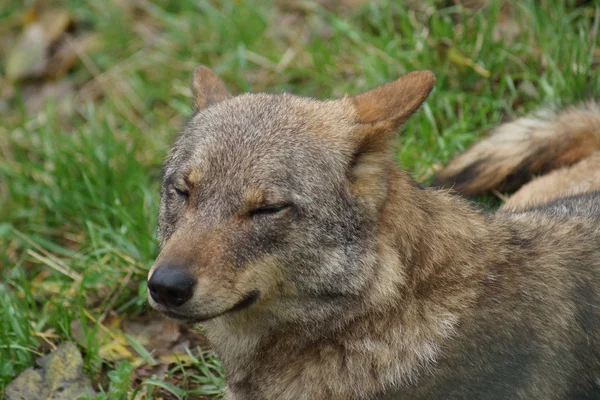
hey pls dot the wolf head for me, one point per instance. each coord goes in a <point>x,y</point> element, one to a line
<point>271,202</point>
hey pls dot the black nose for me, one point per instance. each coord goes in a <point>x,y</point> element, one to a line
<point>170,286</point>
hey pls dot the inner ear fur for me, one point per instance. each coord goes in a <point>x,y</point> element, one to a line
<point>207,88</point>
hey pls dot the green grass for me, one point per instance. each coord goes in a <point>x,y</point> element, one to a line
<point>79,180</point>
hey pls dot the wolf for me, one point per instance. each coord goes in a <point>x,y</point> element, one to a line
<point>319,269</point>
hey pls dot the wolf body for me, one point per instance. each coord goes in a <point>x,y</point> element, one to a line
<point>321,270</point>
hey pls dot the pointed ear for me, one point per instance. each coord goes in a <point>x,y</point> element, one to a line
<point>207,88</point>
<point>379,112</point>
<point>394,102</point>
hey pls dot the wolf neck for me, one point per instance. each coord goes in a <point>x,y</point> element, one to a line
<point>429,271</point>
<point>434,250</point>
<point>440,241</point>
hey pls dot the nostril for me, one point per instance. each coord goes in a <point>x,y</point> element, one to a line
<point>170,286</point>
<point>153,293</point>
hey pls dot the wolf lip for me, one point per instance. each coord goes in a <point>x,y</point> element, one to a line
<point>246,302</point>
<point>188,319</point>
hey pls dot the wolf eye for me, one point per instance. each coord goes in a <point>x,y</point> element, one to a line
<point>183,193</point>
<point>269,210</point>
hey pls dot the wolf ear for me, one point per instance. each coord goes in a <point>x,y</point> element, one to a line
<point>207,88</point>
<point>394,102</point>
<point>383,109</point>
<point>379,112</point>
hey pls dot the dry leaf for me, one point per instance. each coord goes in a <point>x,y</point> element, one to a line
<point>43,48</point>
<point>54,23</point>
<point>112,341</point>
<point>115,351</point>
<point>158,335</point>
<point>28,58</point>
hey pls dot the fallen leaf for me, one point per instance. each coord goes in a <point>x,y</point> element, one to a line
<point>54,23</point>
<point>113,345</point>
<point>158,334</point>
<point>115,351</point>
<point>159,371</point>
<point>28,57</point>
<point>44,48</point>
<point>60,378</point>
<point>175,358</point>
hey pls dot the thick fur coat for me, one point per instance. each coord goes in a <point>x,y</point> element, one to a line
<point>321,270</point>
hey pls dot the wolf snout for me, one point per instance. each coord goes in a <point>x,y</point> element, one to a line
<point>170,286</point>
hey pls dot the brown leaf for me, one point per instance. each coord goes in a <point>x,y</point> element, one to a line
<point>28,58</point>
<point>158,335</point>
<point>54,23</point>
<point>159,371</point>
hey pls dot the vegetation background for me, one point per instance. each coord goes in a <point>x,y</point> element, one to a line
<point>92,94</point>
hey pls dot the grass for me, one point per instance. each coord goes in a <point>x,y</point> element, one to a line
<point>79,179</point>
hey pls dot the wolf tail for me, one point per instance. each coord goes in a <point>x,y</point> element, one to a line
<point>515,152</point>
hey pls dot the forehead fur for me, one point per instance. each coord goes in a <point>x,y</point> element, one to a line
<point>245,129</point>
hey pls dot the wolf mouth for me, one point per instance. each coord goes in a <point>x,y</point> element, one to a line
<point>246,302</point>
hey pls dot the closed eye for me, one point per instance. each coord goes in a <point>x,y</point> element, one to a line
<point>183,193</point>
<point>269,210</point>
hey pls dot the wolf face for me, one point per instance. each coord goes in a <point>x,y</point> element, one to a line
<point>269,202</point>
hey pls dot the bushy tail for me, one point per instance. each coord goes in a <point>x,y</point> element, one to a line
<point>517,151</point>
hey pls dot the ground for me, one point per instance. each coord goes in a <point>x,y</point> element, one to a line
<point>93,93</point>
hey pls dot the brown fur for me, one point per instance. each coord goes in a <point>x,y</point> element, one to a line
<point>582,177</point>
<point>194,177</point>
<point>517,151</point>
<point>207,88</point>
<point>322,271</point>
